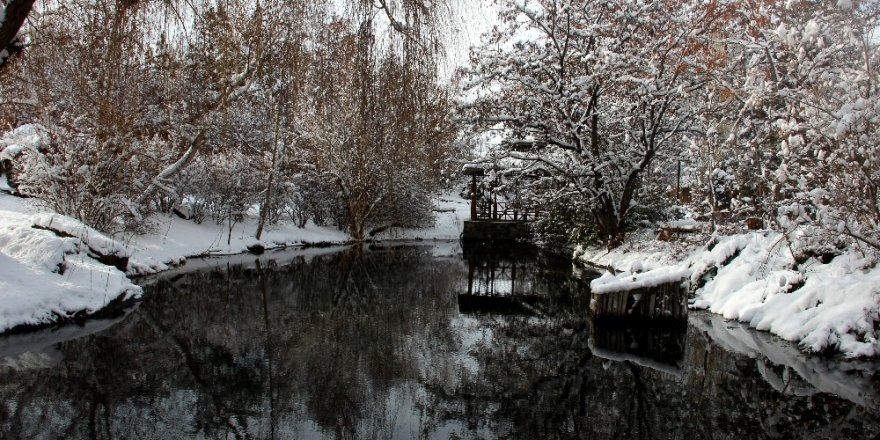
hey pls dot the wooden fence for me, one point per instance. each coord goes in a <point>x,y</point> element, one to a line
<point>665,301</point>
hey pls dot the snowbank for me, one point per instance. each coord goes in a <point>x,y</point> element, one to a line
<point>66,226</point>
<point>754,278</point>
<point>49,268</point>
<point>46,278</point>
<point>175,239</point>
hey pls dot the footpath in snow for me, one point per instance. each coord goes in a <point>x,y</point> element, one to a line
<point>54,269</point>
<point>825,307</point>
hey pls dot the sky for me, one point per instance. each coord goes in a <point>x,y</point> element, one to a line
<point>474,19</point>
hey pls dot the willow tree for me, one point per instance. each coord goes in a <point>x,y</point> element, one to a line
<point>379,132</point>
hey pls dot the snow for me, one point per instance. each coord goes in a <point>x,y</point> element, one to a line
<point>832,306</point>
<point>630,281</point>
<point>176,239</point>
<point>44,277</point>
<point>95,240</point>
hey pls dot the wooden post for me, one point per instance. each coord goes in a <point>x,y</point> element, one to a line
<point>513,278</point>
<point>474,197</point>
<point>470,278</point>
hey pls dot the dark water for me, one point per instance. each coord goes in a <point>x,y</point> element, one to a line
<point>415,342</point>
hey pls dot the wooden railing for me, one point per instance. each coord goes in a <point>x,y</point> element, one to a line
<point>503,211</point>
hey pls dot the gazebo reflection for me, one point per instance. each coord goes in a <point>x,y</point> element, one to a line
<point>501,280</point>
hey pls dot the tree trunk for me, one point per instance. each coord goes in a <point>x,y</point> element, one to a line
<point>270,181</point>
<point>14,15</point>
<point>608,227</point>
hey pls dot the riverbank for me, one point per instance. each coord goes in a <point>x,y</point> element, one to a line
<point>51,268</point>
<point>825,304</point>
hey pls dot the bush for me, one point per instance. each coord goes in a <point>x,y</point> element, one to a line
<point>92,181</point>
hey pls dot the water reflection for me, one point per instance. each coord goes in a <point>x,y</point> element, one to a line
<point>658,347</point>
<point>375,343</point>
<point>517,280</point>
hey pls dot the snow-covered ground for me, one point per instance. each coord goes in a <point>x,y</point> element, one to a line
<point>643,250</point>
<point>46,278</point>
<point>754,278</point>
<point>834,306</point>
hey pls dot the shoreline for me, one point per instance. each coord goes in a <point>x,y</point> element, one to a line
<point>827,308</point>
<point>52,276</point>
<point>54,270</point>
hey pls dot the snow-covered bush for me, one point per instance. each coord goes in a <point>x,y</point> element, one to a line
<point>220,186</point>
<point>91,181</point>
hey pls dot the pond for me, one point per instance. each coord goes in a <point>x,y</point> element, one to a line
<point>414,341</point>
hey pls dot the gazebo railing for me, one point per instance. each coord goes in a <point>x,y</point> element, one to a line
<point>504,211</point>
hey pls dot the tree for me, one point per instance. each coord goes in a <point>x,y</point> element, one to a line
<point>145,88</point>
<point>798,123</point>
<point>379,133</point>
<point>591,92</point>
<point>824,75</point>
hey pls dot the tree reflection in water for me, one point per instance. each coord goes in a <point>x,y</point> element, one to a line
<point>379,343</point>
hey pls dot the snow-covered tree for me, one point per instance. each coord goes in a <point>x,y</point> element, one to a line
<point>592,92</point>
<point>799,133</point>
<point>824,72</point>
<point>132,92</point>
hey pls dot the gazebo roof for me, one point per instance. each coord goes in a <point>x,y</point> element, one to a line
<point>473,169</point>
